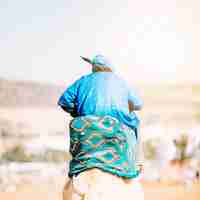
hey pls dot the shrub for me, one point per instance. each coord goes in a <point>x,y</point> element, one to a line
<point>17,154</point>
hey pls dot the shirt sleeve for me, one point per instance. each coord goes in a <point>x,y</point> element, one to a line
<point>135,100</point>
<point>68,99</point>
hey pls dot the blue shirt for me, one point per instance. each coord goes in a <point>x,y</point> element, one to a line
<point>101,93</point>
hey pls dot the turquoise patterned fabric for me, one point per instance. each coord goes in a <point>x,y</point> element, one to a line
<point>104,143</point>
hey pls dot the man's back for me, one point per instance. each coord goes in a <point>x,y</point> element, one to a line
<point>102,93</point>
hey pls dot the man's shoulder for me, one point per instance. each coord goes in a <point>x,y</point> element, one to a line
<point>83,77</point>
<point>121,80</point>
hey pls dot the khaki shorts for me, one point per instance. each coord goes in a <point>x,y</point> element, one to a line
<point>95,184</point>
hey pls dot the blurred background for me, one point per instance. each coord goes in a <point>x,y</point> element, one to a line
<point>154,45</point>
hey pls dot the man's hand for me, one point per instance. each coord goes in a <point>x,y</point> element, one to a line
<point>130,106</point>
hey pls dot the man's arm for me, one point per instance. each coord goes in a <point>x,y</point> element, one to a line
<point>68,98</point>
<point>139,152</point>
<point>135,103</point>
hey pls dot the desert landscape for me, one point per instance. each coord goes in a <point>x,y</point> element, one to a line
<point>34,141</point>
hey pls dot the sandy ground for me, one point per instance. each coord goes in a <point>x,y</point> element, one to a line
<point>153,191</point>
<point>171,191</point>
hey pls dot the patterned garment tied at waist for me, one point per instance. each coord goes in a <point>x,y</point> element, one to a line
<point>104,143</point>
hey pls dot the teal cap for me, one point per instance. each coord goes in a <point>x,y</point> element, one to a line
<point>100,61</point>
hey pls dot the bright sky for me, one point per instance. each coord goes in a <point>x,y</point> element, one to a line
<point>147,41</point>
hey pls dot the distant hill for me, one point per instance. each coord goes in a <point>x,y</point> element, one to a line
<point>176,101</point>
<point>28,94</point>
<point>171,103</point>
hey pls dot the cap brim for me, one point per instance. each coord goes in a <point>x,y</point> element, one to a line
<point>86,59</point>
